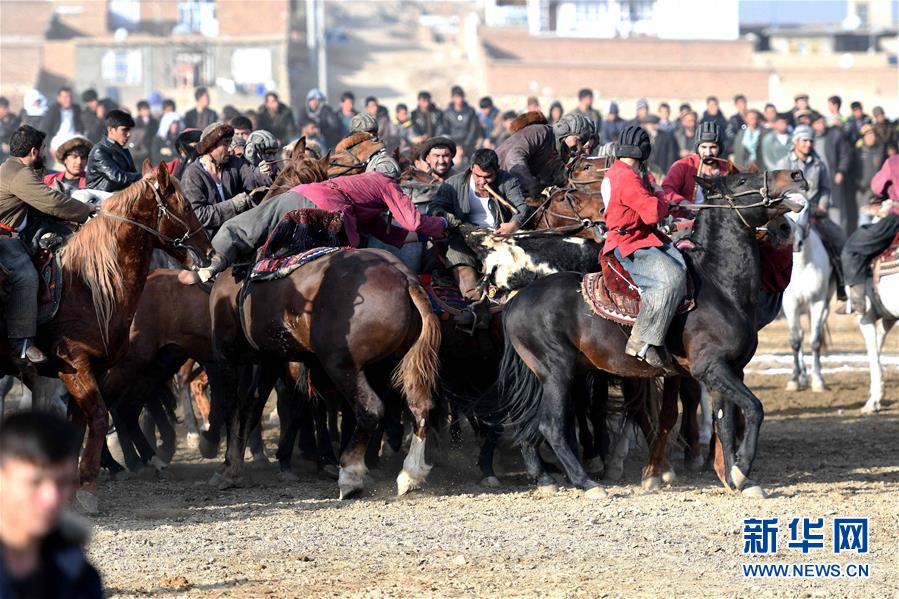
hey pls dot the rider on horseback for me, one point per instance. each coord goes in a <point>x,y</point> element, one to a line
<point>704,162</point>
<point>24,200</point>
<point>362,199</point>
<point>632,214</point>
<point>537,152</point>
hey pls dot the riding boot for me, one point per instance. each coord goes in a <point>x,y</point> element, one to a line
<point>26,349</point>
<point>857,298</point>
<point>655,356</point>
<point>216,265</point>
<point>467,280</point>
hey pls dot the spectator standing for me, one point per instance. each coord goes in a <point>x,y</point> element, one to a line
<point>833,148</point>
<point>855,123</point>
<point>145,127</point>
<point>276,117</point>
<point>685,134</point>
<point>735,123</point>
<point>317,110</point>
<point>776,144</point>
<point>63,120</point>
<point>109,165</point>
<point>869,156</point>
<point>585,108</point>
<point>201,115</point>
<point>613,124</point>
<point>665,123</point>
<point>746,141</point>
<point>9,122</point>
<point>488,115</point>
<point>427,119</point>
<point>347,110</point>
<point>461,124</point>
<point>93,126</point>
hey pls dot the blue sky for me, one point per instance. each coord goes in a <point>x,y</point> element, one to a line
<point>795,11</point>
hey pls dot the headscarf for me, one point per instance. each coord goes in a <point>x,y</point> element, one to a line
<point>35,103</point>
<point>165,122</point>
<point>257,143</point>
<point>315,93</point>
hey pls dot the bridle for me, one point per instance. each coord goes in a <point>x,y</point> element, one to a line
<point>162,212</point>
<point>579,223</point>
<point>356,163</point>
<point>767,201</point>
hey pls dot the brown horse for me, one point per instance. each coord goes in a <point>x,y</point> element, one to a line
<point>105,266</point>
<point>353,313</point>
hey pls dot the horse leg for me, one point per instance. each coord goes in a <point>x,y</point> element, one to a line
<point>326,459</point>
<point>85,392</point>
<point>159,419</point>
<point>873,335</point>
<point>290,414</point>
<point>489,435</point>
<point>597,406</point>
<point>658,468</point>
<point>534,466</point>
<point>368,410</point>
<point>800,377</point>
<point>415,468</point>
<point>108,462</point>
<point>210,438</point>
<point>739,465</point>
<point>122,418</point>
<point>556,418</point>
<point>705,419</point>
<point>817,320</point>
<point>690,392</point>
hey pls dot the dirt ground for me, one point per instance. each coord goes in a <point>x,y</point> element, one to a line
<point>818,457</point>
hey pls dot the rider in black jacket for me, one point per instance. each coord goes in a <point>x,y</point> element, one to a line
<point>109,165</point>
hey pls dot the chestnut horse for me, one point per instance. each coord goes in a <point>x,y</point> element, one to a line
<point>105,266</point>
<point>712,343</point>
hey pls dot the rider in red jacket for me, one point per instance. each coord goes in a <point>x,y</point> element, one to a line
<point>632,214</point>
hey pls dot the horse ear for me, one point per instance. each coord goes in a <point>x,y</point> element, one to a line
<point>146,168</point>
<point>325,161</point>
<point>162,175</point>
<point>299,149</point>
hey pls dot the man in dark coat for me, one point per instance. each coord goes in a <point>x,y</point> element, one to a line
<point>145,128</point>
<point>109,165</point>
<point>427,119</point>
<point>833,147</point>
<point>585,107</point>
<point>317,110</point>
<point>41,545</point>
<point>664,146</point>
<point>63,119</point>
<point>9,122</point>
<point>276,117</point>
<point>461,124</point>
<point>217,185</point>
<point>93,128</point>
<point>537,153</point>
<point>465,198</point>
<point>200,116</point>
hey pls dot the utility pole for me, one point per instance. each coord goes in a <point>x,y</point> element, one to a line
<point>322,44</point>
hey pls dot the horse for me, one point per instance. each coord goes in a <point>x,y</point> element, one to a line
<point>879,317</point>
<point>104,267</point>
<point>551,336</point>
<point>812,285</point>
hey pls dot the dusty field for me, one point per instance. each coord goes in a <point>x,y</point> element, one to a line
<point>818,457</point>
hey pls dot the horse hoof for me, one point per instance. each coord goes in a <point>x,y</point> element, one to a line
<point>754,490</point>
<point>351,480</point>
<point>669,476</point>
<point>652,483</point>
<point>596,493</point>
<point>286,476</point>
<point>547,489</point>
<point>613,474</point>
<point>595,466</point>
<point>230,483</point>
<point>86,502</point>
<point>192,441</point>
<point>405,482</point>
<point>491,482</point>
<point>819,387</point>
<point>738,477</point>
<point>261,460</point>
<point>871,408</point>
<point>120,476</point>
<point>792,386</point>
<point>158,464</point>
<point>208,449</point>
<point>215,479</point>
<point>349,491</point>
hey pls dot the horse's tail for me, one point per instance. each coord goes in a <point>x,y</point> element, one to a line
<point>417,372</point>
<point>514,400</point>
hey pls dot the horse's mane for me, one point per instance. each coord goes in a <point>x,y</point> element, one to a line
<point>92,255</point>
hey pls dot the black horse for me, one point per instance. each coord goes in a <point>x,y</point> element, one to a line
<point>551,336</point>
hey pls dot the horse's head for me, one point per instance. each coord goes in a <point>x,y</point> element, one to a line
<point>587,172</point>
<point>569,208</point>
<point>352,153</point>
<point>756,197</point>
<point>181,234</point>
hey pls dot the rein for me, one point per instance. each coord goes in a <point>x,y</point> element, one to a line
<point>162,212</point>
<point>581,222</point>
<point>356,162</point>
<point>766,201</point>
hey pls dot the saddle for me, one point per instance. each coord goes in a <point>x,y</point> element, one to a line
<point>49,291</point>
<point>299,238</point>
<point>612,294</point>
<point>447,301</point>
<point>887,263</point>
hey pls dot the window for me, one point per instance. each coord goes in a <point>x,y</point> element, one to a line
<point>197,16</point>
<point>122,67</point>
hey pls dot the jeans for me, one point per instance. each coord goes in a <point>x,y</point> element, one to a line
<point>661,275</point>
<point>864,245</point>
<point>21,304</point>
<point>244,233</point>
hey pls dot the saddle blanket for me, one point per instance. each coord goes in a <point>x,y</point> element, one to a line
<point>887,263</point>
<point>269,269</point>
<point>613,295</point>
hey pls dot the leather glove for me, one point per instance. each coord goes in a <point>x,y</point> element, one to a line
<point>242,202</point>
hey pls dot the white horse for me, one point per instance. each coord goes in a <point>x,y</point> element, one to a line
<point>875,325</point>
<point>812,285</point>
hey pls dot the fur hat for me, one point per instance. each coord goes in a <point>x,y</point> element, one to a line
<point>353,139</point>
<point>212,135</point>
<point>76,143</point>
<point>436,142</point>
<point>533,117</point>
